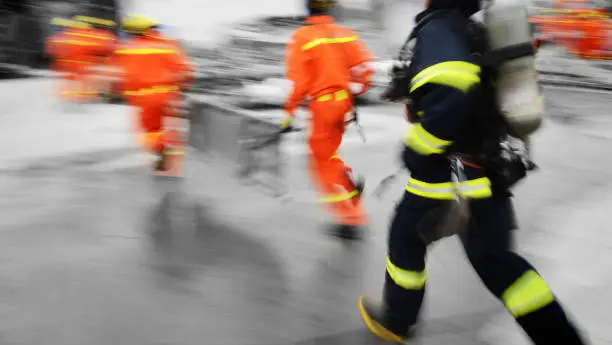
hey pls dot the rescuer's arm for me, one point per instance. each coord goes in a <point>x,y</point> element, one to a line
<point>185,67</point>
<point>442,91</point>
<point>359,59</point>
<point>297,73</point>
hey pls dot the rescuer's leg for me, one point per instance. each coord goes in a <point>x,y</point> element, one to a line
<point>329,172</point>
<point>510,277</point>
<point>405,277</point>
<point>152,137</point>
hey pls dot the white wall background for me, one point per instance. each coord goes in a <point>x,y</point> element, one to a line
<point>202,20</point>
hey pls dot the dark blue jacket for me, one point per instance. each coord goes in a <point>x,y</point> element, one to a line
<point>450,105</point>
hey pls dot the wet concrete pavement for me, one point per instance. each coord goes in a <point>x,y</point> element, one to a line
<point>95,251</point>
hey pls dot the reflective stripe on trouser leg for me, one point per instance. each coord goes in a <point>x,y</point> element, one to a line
<point>527,294</point>
<point>328,172</point>
<point>409,280</point>
<point>403,296</point>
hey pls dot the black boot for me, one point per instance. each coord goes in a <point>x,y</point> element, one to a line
<point>357,180</point>
<point>373,317</point>
<point>161,164</point>
<point>345,232</point>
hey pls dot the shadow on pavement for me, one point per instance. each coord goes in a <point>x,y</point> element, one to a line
<point>188,239</point>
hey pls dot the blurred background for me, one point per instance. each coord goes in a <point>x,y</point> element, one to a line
<point>94,250</point>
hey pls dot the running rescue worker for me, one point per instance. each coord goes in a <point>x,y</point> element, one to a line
<point>329,64</point>
<point>152,72</point>
<point>74,51</point>
<point>102,30</point>
<point>454,113</point>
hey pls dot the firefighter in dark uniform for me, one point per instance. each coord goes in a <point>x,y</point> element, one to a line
<point>454,114</point>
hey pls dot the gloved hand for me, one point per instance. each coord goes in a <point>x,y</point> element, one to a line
<point>351,116</point>
<point>286,125</point>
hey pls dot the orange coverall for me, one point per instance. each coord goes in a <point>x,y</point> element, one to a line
<point>74,51</point>
<point>152,70</point>
<point>323,59</point>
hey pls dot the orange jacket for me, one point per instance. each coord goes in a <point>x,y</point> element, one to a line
<point>81,45</point>
<point>147,63</point>
<point>321,58</point>
<point>177,44</point>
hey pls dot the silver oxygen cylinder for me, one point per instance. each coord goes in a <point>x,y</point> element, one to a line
<point>518,92</point>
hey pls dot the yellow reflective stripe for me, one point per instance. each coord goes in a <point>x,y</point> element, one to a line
<point>423,142</point>
<point>152,90</point>
<point>339,197</point>
<point>327,40</point>
<point>174,153</point>
<point>92,20</point>
<point>337,96</point>
<point>409,280</point>
<point>62,21</point>
<point>457,74</point>
<point>71,60</point>
<point>439,191</point>
<point>144,51</point>
<point>527,294</point>
<point>479,188</point>
<point>76,42</point>
<point>89,35</point>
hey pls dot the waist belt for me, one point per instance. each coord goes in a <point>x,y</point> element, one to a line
<point>152,90</point>
<point>335,96</point>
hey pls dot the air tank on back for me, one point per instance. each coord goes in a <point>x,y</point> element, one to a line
<point>518,91</point>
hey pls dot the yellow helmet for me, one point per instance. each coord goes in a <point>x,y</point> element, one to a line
<point>94,21</point>
<point>138,23</point>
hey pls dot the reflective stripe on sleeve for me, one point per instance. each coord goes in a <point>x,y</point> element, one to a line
<point>423,142</point>
<point>456,74</point>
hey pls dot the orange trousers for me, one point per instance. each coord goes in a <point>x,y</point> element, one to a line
<point>152,109</point>
<point>327,170</point>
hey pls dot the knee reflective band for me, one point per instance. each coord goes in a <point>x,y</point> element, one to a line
<point>456,74</point>
<point>527,294</point>
<point>423,142</point>
<point>339,197</point>
<point>479,188</point>
<point>409,280</point>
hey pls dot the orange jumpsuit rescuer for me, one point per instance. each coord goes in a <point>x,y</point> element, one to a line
<point>153,71</point>
<point>324,61</point>
<point>74,50</point>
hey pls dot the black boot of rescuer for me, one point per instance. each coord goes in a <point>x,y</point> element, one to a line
<point>161,164</point>
<point>373,317</point>
<point>345,232</point>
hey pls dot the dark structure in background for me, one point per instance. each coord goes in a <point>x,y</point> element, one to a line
<point>25,24</point>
